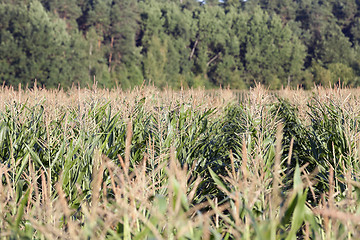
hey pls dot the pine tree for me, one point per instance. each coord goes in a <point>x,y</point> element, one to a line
<point>274,55</point>
<point>36,47</point>
<point>68,10</point>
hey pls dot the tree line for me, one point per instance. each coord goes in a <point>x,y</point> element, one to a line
<point>179,43</point>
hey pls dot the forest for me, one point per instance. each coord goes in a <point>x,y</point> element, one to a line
<point>179,43</point>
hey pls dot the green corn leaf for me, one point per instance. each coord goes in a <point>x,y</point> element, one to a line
<point>217,180</point>
<point>24,164</point>
<point>21,209</point>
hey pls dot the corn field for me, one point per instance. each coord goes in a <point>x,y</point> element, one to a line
<point>192,164</point>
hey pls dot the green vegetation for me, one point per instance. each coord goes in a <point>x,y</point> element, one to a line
<point>186,43</point>
<point>179,165</point>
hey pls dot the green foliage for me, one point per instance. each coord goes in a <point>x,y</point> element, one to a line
<point>343,74</point>
<point>67,10</point>
<point>322,144</point>
<point>274,56</point>
<point>34,47</point>
<point>322,76</point>
<point>179,43</point>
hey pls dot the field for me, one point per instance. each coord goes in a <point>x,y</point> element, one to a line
<point>192,164</point>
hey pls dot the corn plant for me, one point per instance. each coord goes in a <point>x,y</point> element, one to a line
<point>192,164</point>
